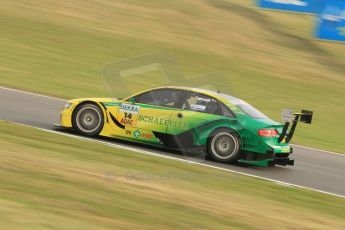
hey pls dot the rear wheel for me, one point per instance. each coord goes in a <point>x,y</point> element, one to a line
<point>88,119</point>
<point>224,145</point>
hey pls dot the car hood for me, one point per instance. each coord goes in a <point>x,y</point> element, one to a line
<point>78,100</point>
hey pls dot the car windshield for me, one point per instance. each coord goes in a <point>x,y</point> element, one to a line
<point>245,107</point>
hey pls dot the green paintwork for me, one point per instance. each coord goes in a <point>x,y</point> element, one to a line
<point>140,121</point>
<point>262,163</point>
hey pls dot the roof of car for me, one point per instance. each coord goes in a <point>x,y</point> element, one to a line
<point>228,100</point>
<point>225,98</point>
<point>212,93</point>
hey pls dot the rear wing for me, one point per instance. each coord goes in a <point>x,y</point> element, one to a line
<point>305,116</point>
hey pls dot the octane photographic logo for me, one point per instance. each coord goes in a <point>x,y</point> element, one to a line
<point>130,76</point>
<point>132,175</point>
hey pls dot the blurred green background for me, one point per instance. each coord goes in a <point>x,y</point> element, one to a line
<point>267,58</point>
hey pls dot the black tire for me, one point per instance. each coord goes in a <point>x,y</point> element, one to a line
<point>88,119</point>
<point>224,145</point>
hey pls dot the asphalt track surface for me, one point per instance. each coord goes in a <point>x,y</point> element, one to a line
<point>314,169</point>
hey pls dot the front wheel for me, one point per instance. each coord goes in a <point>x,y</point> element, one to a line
<point>88,119</point>
<point>224,145</point>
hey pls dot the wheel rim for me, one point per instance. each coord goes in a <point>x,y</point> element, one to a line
<point>224,145</point>
<point>88,119</point>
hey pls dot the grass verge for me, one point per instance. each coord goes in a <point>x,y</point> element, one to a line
<point>52,181</point>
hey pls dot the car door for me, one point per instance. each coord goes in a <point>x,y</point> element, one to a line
<point>198,109</point>
<point>148,112</point>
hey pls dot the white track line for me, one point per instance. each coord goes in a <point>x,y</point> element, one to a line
<point>181,160</point>
<point>34,94</point>
<point>320,150</point>
<point>39,95</point>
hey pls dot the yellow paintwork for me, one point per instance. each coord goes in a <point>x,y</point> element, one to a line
<point>65,118</point>
<point>66,114</point>
<point>145,128</point>
<point>137,125</point>
<point>110,129</point>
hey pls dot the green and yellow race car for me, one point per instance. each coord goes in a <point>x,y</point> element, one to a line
<point>226,128</point>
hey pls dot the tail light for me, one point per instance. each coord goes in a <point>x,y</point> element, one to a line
<point>268,132</point>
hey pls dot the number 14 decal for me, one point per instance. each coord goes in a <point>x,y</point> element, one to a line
<point>127,119</point>
<point>128,115</point>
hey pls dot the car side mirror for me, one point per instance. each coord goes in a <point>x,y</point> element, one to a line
<point>131,100</point>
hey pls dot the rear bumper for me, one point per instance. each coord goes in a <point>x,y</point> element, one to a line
<point>282,161</point>
<point>270,162</point>
<point>272,156</point>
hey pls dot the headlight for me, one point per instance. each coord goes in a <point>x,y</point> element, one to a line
<point>68,105</point>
